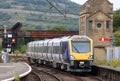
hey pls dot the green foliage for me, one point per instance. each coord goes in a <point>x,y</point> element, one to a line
<point>4,16</point>
<point>116,20</point>
<point>58,28</point>
<point>117,38</point>
<point>116,27</point>
<point>17,78</point>
<point>100,62</point>
<point>17,52</point>
<point>113,62</point>
<point>43,20</point>
<point>21,47</point>
<point>44,6</point>
<point>3,4</point>
<point>0,46</point>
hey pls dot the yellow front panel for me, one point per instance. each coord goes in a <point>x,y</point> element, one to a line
<point>81,56</point>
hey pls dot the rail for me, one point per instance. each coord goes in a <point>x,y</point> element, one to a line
<point>45,76</point>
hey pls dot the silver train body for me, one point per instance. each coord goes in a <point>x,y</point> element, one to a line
<point>71,53</point>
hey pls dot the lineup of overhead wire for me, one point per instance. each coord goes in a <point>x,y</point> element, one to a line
<point>53,6</point>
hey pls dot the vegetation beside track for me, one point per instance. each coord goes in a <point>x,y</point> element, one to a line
<point>114,63</point>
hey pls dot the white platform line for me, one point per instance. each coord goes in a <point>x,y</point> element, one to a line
<point>21,75</point>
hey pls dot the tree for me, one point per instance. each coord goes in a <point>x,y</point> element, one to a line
<point>116,20</point>
<point>0,46</point>
<point>116,27</point>
<point>21,47</point>
<point>117,38</point>
<point>58,28</point>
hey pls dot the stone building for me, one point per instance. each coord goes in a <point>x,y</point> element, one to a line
<point>96,21</point>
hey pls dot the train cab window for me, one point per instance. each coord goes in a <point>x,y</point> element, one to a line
<point>80,46</point>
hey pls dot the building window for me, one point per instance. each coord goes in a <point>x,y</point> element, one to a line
<point>107,24</point>
<point>90,24</point>
<point>99,25</point>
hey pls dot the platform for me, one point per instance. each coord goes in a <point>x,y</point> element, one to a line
<point>8,71</point>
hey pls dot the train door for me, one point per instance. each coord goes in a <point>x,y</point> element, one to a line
<point>50,50</point>
<point>56,51</point>
<point>33,53</point>
<point>65,52</point>
<point>45,52</point>
<point>40,50</point>
<point>37,50</point>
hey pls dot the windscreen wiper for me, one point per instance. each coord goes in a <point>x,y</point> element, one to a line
<point>76,49</point>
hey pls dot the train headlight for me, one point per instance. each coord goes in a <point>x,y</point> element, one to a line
<point>72,58</point>
<point>90,58</point>
<point>81,64</point>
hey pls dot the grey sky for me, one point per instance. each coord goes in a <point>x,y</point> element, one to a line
<point>116,3</point>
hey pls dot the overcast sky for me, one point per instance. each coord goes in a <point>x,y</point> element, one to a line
<point>116,3</point>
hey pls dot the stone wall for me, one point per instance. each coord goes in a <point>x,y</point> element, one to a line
<point>100,53</point>
<point>96,21</point>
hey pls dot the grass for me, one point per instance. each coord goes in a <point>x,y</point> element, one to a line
<point>17,78</point>
<point>114,63</point>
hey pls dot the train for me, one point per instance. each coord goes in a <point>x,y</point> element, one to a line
<point>71,53</point>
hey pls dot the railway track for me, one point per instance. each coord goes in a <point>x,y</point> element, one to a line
<point>90,78</point>
<point>41,71</point>
<point>17,58</point>
<point>104,73</point>
<point>44,75</point>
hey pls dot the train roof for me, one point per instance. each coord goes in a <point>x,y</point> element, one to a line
<point>58,40</point>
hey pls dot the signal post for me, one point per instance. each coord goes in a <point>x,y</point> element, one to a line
<point>4,45</point>
<point>9,41</point>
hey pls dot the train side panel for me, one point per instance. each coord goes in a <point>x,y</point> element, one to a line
<point>50,51</point>
<point>56,50</point>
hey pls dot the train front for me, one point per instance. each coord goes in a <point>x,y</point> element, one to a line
<point>81,53</point>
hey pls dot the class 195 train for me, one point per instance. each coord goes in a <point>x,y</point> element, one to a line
<point>71,53</point>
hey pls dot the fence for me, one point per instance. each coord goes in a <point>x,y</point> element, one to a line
<point>113,53</point>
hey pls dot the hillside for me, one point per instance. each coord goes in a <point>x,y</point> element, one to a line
<point>39,14</point>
